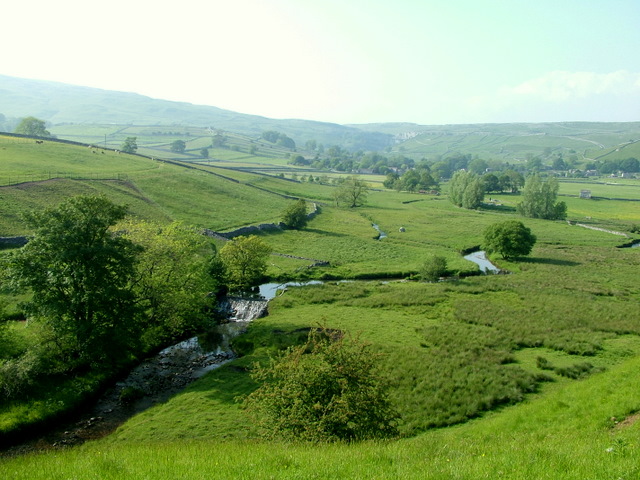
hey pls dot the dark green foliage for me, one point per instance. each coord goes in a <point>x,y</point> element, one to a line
<point>413,180</point>
<point>434,268</point>
<point>178,146</point>
<point>509,239</point>
<point>295,216</point>
<point>543,364</point>
<point>539,199</point>
<point>491,183</point>
<point>575,371</point>
<point>279,138</point>
<point>79,274</point>
<point>324,390</point>
<point>33,127</point>
<point>511,181</point>
<point>130,145</point>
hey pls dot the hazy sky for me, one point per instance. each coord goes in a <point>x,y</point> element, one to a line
<point>344,61</point>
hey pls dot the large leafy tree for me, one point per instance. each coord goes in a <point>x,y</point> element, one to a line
<point>245,260</point>
<point>325,390</point>
<point>539,199</point>
<point>80,275</point>
<point>178,146</point>
<point>510,239</point>
<point>351,192</point>
<point>130,145</point>
<point>466,189</point>
<point>172,281</point>
<point>32,126</point>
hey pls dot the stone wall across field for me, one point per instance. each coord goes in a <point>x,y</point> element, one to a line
<point>253,229</point>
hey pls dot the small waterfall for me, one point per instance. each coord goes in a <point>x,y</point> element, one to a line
<point>238,309</point>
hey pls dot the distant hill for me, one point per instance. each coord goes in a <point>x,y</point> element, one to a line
<point>59,103</point>
<point>515,141</point>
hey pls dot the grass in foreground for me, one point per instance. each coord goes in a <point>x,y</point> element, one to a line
<point>562,434</point>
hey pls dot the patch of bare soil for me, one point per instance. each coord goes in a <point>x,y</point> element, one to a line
<point>627,422</point>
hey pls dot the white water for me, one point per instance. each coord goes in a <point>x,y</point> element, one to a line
<point>480,259</point>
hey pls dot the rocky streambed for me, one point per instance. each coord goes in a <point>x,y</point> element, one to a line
<point>153,381</point>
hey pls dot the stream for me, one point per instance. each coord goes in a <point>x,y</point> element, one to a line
<point>480,258</point>
<point>153,381</point>
<point>381,234</point>
<point>157,379</point>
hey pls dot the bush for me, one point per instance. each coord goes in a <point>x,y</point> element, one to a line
<point>578,370</point>
<point>295,216</point>
<point>324,390</point>
<point>18,374</point>
<point>434,268</point>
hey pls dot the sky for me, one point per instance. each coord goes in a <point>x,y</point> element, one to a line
<point>357,61</point>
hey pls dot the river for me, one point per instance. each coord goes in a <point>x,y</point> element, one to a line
<point>480,258</point>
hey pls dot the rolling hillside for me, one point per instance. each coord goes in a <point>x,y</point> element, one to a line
<point>60,103</point>
<point>515,142</point>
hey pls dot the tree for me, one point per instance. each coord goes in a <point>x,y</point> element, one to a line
<point>466,190</point>
<point>325,390</point>
<point>204,152</point>
<point>539,199</point>
<point>351,192</point>
<point>630,165</point>
<point>80,275</point>
<point>178,146</point>
<point>510,239</point>
<point>295,216</point>
<point>33,127</point>
<point>491,183</point>
<point>219,139</point>
<point>478,166</point>
<point>511,180</point>
<point>130,145</point>
<point>245,259</point>
<point>434,268</point>
<point>173,279</point>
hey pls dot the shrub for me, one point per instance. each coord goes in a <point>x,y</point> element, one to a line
<point>18,374</point>
<point>575,371</point>
<point>295,216</point>
<point>544,364</point>
<point>434,268</point>
<point>324,390</point>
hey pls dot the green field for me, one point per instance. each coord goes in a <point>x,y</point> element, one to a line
<point>462,356</point>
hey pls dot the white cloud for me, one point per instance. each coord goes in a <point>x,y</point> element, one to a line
<point>561,96</point>
<point>562,85</point>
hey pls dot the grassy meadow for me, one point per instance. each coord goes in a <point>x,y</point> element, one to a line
<point>527,375</point>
